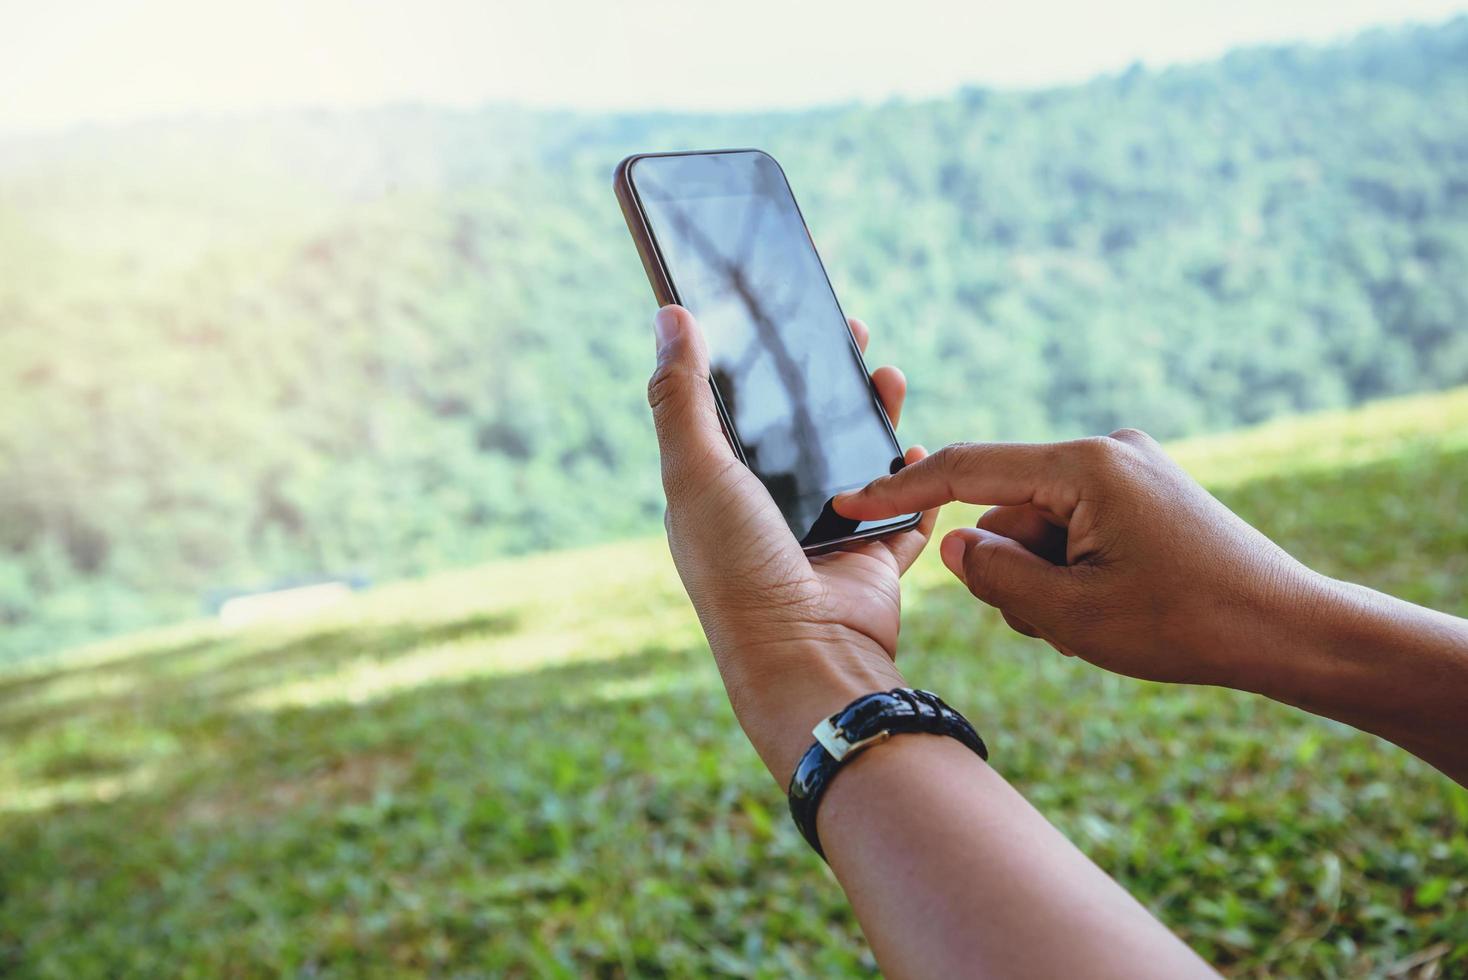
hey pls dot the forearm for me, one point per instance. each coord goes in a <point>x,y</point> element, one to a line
<point>952,873</point>
<point>1376,663</point>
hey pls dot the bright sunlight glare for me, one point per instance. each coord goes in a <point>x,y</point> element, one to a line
<point>91,61</point>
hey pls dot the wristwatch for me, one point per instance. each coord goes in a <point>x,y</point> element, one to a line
<point>867,721</point>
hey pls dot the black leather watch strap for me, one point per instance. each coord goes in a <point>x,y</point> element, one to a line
<point>863,723</point>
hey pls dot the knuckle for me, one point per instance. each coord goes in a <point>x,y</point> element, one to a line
<point>954,453</point>
<point>1134,437</point>
<point>666,386</point>
<point>1099,447</point>
<point>950,459</point>
<point>1101,452</point>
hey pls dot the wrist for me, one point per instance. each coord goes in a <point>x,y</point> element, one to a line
<point>1311,650</point>
<point>1254,641</point>
<point>780,691</point>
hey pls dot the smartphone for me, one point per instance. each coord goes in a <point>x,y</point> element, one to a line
<point>719,232</point>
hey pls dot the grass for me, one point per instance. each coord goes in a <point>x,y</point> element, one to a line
<point>529,769</point>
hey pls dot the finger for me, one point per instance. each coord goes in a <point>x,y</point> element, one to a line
<point>1030,528</point>
<point>1038,534</point>
<point>976,473</point>
<point>892,389</point>
<point>1003,574</point>
<point>908,545</point>
<point>682,402</point>
<point>860,331</point>
<point>1019,625</point>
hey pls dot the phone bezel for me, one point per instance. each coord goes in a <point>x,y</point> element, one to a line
<point>665,293</point>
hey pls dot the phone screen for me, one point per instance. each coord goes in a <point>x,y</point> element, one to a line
<point>791,381</point>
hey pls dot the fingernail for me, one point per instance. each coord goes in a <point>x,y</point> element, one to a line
<point>667,325</point>
<point>952,551</point>
<point>956,545</point>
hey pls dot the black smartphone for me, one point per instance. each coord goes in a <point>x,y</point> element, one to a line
<point>719,232</point>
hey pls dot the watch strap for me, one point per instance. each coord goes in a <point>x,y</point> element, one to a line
<point>867,721</point>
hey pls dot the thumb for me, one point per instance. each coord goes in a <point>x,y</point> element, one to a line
<point>1005,574</point>
<point>681,399</point>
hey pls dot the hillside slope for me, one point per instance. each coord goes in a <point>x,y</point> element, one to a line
<point>529,768</point>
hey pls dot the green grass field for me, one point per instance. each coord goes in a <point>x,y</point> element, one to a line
<point>529,769</point>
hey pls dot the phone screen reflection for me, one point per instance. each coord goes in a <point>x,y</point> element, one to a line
<point>739,257</point>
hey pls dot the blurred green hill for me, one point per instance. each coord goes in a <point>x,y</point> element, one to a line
<point>237,351</point>
<point>529,768</point>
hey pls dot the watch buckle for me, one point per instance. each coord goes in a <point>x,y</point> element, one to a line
<point>834,740</point>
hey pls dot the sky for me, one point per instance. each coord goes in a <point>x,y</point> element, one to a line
<point>80,61</point>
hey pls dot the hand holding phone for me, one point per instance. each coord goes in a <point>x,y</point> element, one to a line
<point>796,637</point>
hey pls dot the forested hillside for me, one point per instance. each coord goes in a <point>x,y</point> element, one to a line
<point>237,352</point>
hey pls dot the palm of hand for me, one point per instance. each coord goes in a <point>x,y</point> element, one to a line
<point>860,592</point>
<point>766,589</point>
